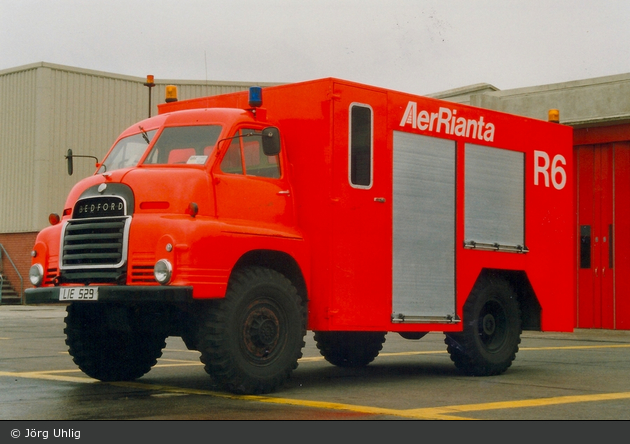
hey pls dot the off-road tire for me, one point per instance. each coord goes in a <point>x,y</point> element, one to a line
<point>109,354</point>
<point>492,327</point>
<point>250,341</point>
<point>348,348</point>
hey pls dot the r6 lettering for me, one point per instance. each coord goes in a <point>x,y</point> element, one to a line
<point>557,176</point>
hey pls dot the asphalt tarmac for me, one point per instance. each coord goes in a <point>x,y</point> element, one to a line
<point>582,375</point>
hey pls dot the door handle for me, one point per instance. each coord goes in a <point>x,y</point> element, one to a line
<point>283,193</point>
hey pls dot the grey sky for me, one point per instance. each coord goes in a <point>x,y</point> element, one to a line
<point>420,46</point>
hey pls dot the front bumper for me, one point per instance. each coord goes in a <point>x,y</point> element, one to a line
<point>115,293</point>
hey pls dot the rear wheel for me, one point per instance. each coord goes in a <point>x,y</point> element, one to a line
<point>251,340</point>
<point>106,352</point>
<point>349,348</point>
<point>492,327</point>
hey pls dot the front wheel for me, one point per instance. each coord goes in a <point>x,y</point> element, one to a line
<point>106,353</point>
<point>492,327</point>
<point>250,341</point>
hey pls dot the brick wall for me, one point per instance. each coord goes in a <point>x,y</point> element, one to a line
<point>18,246</point>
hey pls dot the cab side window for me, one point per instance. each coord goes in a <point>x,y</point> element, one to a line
<point>231,162</point>
<point>246,151</point>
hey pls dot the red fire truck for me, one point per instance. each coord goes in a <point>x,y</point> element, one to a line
<point>347,210</point>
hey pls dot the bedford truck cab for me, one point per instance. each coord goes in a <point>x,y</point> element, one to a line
<point>186,168</point>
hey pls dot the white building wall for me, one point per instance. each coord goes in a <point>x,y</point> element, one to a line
<point>17,148</point>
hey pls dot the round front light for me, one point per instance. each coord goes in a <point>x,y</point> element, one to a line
<point>163,270</point>
<point>36,275</point>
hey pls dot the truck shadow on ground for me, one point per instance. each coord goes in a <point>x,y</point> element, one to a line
<point>193,395</point>
<point>325,378</point>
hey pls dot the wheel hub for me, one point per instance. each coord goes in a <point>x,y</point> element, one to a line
<point>489,324</point>
<point>493,326</point>
<point>261,332</point>
<point>264,332</point>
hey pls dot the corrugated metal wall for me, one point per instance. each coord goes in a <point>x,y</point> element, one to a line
<point>46,109</point>
<point>17,139</point>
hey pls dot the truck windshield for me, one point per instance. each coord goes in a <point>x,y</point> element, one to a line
<point>184,145</point>
<point>127,152</point>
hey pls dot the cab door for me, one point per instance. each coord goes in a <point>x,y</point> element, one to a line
<point>250,187</point>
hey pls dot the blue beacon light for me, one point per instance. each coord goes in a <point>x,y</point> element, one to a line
<point>255,96</point>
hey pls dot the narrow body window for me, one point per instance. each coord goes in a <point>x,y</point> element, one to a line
<point>361,146</point>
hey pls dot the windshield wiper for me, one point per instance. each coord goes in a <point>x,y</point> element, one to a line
<point>144,135</point>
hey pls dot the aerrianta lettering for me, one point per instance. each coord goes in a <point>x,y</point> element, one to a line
<point>447,121</point>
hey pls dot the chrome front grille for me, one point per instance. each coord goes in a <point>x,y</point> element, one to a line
<point>95,250</point>
<point>89,243</point>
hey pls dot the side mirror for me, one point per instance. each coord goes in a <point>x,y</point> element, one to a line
<point>271,141</point>
<point>69,159</point>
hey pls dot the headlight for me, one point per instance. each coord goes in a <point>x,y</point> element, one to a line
<point>163,270</point>
<point>36,275</point>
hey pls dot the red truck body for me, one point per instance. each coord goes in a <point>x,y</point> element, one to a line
<point>385,211</point>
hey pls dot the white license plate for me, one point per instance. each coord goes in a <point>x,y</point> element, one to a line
<point>78,294</point>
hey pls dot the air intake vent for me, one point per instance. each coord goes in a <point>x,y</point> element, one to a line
<point>142,273</point>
